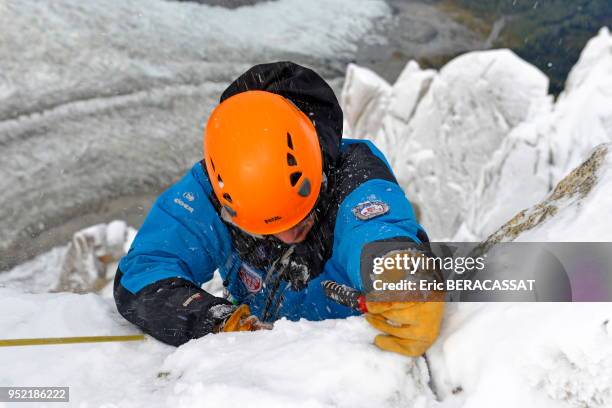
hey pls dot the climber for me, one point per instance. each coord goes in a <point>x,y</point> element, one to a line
<point>279,203</point>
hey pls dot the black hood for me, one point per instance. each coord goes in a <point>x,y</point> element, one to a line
<point>308,91</point>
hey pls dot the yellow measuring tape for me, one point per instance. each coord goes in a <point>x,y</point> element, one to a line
<point>68,340</point>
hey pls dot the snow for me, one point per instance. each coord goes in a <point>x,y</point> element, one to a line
<point>37,275</point>
<point>440,126</point>
<point>467,134</point>
<point>542,150</point>
<point>525,355</point>
<point>97,373</point>
<point>536,354</point>
<point>88,263</point>
<point>364,105</point>
<point>330,363</point>
<point>99,45</point>
<point>306,364</point>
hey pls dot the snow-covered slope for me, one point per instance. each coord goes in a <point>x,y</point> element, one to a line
<point>537,354</point>
<point>481,139</point>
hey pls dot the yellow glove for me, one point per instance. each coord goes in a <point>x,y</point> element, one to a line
<point>410,327</point>
<point>242,320</point>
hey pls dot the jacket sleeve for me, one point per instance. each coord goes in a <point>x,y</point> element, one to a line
<point>172,310</point>
<point>390,215</point>
<point>157,286</point>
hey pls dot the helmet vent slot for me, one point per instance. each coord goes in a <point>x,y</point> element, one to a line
<point>220,181</point>
<point>212,163</point>
<point>229,210</point>
<point>291,160</point>
<point>227,197</point>
<point>289,141</point>
<point>295,177</point>
<point>304,190</point>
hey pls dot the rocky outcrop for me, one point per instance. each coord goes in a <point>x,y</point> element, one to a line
<point>575,210</point>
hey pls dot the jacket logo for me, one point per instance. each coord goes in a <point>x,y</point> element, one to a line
<point>188,196</point>
<point>370,209</point>
<point>250,278</point>
<point>183,204</point>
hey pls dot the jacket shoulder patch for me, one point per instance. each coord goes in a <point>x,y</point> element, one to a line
<point>370,209</point>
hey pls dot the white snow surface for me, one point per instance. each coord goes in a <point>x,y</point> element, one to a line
<point>506,355</point>
<point>525,355</point>
<point>307,364</point>
<point>481,139</point>
<point>537,354</point>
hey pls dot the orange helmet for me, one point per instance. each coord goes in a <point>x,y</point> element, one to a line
<point>263,158</point>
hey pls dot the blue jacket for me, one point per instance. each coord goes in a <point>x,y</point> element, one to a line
<point>184,237</point>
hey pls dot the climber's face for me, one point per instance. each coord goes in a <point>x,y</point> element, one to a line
<point>297,233</point>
